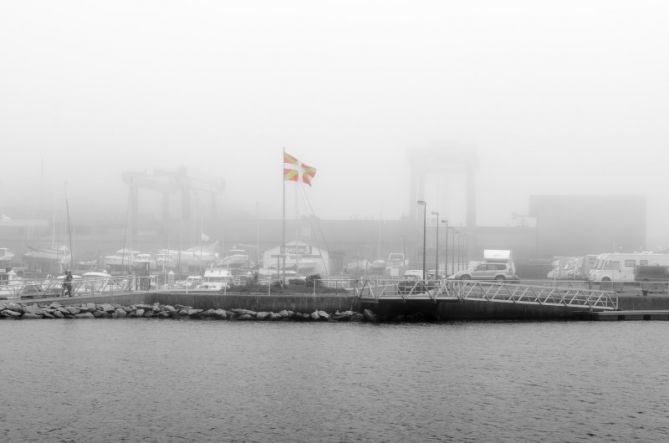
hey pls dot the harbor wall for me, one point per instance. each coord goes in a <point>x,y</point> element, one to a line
<point>643,302</point>
<point>271,303</point>
<point>386,310</point>
<point>482,310</point>
<point>208,300</point>
<point>469,310</point>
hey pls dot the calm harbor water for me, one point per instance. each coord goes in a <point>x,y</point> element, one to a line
<point>152,380</point>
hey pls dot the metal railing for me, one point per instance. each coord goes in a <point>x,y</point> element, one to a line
<point>85,286</point>
<point>95,286</point>
<point>655,286</point>
<point>497,292</point>
<point>11,290</point>
<point>574,294</point>
<point>531,294</point>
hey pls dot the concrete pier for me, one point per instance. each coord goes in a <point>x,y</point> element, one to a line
<point>473,310</point>
<point>632,307</point>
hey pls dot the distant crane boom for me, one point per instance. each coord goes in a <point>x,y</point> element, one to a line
<point>168,182</point>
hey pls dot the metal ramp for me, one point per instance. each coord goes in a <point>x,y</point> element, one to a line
<point>492,292</point>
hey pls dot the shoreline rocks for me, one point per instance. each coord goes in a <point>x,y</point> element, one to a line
<point>55,310</point>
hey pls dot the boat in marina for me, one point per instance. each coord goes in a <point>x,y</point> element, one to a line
<point>100,282</point>
<point>10,284</point>
<point>236,258</point>
<point>122,261</point>
<point>301,257</point>
<point>167,259</point>
<point>191,259</point>
<point>273,276</point>
<point>377,267</point>
<point>144,259</point>
<point>48,260</point>
<point>6,257</point>
<point>239,264</point>
<point>191,282</point>
<point>215,279</point>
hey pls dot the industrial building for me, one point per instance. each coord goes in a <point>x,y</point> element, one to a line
<point>588,224</point>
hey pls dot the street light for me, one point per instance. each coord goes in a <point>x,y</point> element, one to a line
<point>461,244</point>
<point>423,203</point>
<point>454,244</point>
<point>465,249</point>
<point>436,259</point>
<point>445,222</point>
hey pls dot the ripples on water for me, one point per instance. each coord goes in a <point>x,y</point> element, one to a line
<point>234,381</point>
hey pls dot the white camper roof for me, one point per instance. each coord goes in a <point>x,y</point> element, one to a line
<point>496,254</point>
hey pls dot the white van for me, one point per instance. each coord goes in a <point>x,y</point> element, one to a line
<point>619,267</point>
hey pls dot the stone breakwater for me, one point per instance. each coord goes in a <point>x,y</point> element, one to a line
<point>56,310</point>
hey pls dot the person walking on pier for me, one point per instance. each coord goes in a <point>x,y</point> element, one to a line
<point>67,284</point>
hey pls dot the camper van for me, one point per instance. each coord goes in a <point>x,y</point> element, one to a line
<point>620,267</point>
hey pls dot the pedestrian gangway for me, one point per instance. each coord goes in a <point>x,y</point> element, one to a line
<point>489,291</point>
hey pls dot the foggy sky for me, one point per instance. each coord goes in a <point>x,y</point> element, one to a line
<point>556,98</point>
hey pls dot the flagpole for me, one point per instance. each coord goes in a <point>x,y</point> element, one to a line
<point>283,224</point>
<point>69,228</point>
<point>297,223</point>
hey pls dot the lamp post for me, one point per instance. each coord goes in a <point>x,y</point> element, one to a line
<point>445,222</point>
<point>454,244</point>
<point>436,258</point>
<point>423,203</point>
<point>465,250</point>
<point>461,242</point>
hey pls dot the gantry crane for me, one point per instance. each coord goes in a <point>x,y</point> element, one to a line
<point>166,183</point>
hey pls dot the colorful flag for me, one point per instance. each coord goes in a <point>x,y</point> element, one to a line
<point>295,171</point>
<point>290,168</point>
<point>287,158</point>
<point>308,173</point>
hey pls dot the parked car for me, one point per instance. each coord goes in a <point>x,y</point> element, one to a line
<point>412,283</point>
<point>488,271</point>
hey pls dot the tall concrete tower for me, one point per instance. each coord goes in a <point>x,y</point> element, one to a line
<point>445,161</point>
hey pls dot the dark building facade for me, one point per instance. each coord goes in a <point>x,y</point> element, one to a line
<point>588,224</point>
<point>566,225</point>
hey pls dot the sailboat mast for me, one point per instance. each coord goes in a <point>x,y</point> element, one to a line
<point>69,230</point>
<point>201,260</point>
<point>53,221</point>
<point>126,246</point>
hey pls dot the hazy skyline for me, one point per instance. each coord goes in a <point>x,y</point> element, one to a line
<point>556,98</point>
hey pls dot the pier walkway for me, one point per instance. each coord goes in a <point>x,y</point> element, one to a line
<point>491,292</point>
<point>441,300</point>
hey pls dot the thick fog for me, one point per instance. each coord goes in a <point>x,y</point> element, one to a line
<point>565,97</point>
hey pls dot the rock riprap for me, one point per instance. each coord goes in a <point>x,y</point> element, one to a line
<point>55,310</point>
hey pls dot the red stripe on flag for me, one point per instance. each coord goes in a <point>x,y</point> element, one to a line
<point>290,175</point>
<point>287,158</point>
